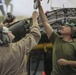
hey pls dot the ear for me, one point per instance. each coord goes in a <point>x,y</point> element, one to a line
<point>74,33</point>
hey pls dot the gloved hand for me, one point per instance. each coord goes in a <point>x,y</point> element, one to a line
<point>36,3</point>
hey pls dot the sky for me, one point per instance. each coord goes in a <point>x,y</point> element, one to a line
<point>25,7</point>
<point>64,3</point>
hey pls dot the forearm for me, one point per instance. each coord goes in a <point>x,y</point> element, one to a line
<point>35,22</point>
<point>42,15</point>
<point>45,23</point>
<point>35,30</point>
<point>72,63</point>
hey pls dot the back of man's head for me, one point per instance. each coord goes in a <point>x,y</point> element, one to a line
<point>9,18</point>
<point>4,38</point>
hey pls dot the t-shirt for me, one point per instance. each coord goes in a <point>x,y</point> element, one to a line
<point>65,50</point>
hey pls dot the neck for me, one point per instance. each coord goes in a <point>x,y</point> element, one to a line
<point>67,38</point>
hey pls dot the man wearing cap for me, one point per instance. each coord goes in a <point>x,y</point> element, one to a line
<point>64,46</point>
<point>10,19</point>
<point>13,55</point>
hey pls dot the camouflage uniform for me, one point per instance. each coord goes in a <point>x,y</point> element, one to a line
<point>13,58</point>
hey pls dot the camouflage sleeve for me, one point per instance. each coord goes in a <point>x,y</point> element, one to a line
<point>29,41</point>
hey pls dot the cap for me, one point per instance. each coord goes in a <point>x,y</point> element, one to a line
<point>71,24</point>
<point>9,15</point>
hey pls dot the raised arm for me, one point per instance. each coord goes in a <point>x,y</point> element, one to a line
<point>44,20</point>
<point>31,39</point>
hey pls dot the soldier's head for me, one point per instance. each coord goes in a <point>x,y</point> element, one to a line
<point>6,36</point>
<point>9,18</point>
<point>69,28</point>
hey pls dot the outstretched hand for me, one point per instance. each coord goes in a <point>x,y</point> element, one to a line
<point>37,3</point>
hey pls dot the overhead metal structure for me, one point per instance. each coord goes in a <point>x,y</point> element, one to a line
<point>58,16</point>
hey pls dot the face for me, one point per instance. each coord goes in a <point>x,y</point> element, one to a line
<point>65,30</point>
<point>9,20</point>
<point>11,36</point>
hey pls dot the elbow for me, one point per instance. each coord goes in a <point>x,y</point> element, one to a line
<point>37,37</point>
